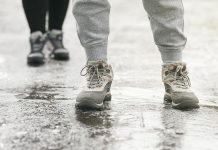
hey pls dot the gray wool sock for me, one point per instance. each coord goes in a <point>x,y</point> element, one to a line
<point>97,52</point>
<point>171,56</point>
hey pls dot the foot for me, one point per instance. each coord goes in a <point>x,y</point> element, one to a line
<point>99,79</point>
<point>59,52</point>
<point>36,55</point>
<point>178,87</point>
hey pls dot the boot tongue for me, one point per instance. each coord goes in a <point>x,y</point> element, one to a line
<point>35,35</point>
<point>174,66</point>
<point>100,64</point>
<point>179,69</point>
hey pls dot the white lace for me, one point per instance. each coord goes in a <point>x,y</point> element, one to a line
<point>179,78</point>
<point>95,75</point>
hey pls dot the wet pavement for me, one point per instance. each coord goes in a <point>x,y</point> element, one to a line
<point>37,103</point>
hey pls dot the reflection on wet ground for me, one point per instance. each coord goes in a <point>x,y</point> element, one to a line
<point>36,120</point>
<point>42,92</point>
<point>37,109</point>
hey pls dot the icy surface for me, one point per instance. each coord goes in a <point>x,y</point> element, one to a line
<point>37,104</point>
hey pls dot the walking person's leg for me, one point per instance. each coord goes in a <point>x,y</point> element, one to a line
<point>35,11</point>
<point>92,18</point>
<point>57,14</point>
<point>167,22</point>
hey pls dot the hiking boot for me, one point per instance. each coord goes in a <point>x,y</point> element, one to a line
<point>178,87</point>
<point>99,79</point>
<point>58,51</point>
<point>37,43</point>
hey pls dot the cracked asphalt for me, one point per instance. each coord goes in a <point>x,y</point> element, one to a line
<point>37,103</point>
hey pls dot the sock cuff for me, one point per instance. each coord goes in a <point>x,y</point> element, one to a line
<point>171,56</point>
<point>96,52</point>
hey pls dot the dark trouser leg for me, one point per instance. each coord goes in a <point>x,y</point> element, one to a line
<point>35,11</point>
<point>57,13</point>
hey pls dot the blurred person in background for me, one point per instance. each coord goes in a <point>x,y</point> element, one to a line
<point>36,11</point>
<point>167,23</point>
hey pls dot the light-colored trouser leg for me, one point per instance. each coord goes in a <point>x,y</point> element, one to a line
<point>92,18</point>
<point>167,22</point>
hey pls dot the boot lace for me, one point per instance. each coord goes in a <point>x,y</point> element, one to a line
<point>58,41</point>
<point>38,45</point>
<point>94,75</point>
<point>180,78</point>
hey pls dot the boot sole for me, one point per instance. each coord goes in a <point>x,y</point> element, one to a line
<point>93,106</point>
<point>183,105</point>
<point>61,57</point>
<point>35,61</point>
<point>186,105</point>
<point>57,56</point>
